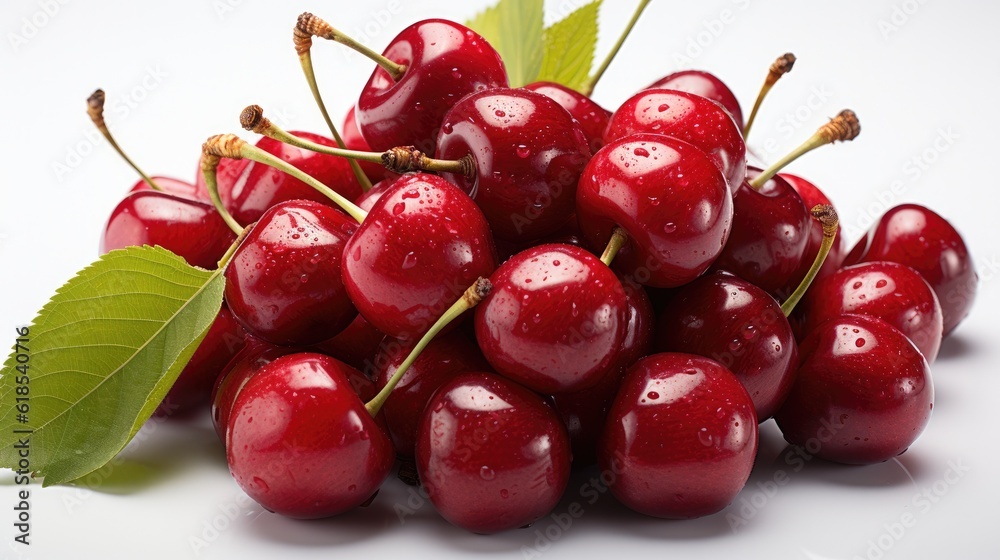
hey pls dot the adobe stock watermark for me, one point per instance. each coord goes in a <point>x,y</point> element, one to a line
<point>899,15</point>
<point>120,106</point>
<point>29,27</point>
<point>215,525</point>
<point>224,8</point>
<point>711,29</point>
<point>368,31</point>
<point>811,110</point>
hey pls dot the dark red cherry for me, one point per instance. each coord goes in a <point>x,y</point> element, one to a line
<point>175,187</point>
<point>356,345</point>
<point>444,61</point>
<point>887,290</point>
<point>681,437</point>
<point>254,355</point>
<point>555,320</point>
<point>913,235</point>
<point>527,153</point>
<point>688,117</point>
<point>770,233</point>
<point>284,282</point>
<point>739,325</point>
<point>491,454</point>
<point>668,196</point>
<point>443,359</point>
<point>353,140</point>
<point>423,243</point>
<point>811,196</point>
<point>189,228</point>
<point>703,84</point>
<point>301,442</point>
<point>592,117</point>
<point>862,394</point>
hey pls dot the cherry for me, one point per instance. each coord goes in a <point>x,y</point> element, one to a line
<point>811,196</point>
<point>443,359</point>
<point>353,140</point>
<point>863,390</point>
<point>893,292</point>
<point>687,117</point>
<point>681,437</point>
<point>917,237</point>
<point>284,283</point>
<point>300,441</point>
<point>555,319</point>
<point>592,117</point>
<point>492,455</point>
<point>526,153</point>
<point>356,345</point>
<point>704,84</point>
<point>669,197</point>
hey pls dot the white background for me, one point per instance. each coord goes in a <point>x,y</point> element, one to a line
<point>923,77</point>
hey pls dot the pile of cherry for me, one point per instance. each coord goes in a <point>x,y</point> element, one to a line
<point>636,285</point>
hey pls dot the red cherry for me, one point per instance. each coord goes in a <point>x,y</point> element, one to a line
<point>175,187</point>
<point>353,140</point>
<point>555,319</point>
<point>739,325</point>
<point>188,228</point>
<point>703,84</point>
<point>368,199</point>
<point>356,345</point>
<point>681,437</point>
<point>284,283</point>
<point>889,291</point>
<point>669,197</point>
<point>688,117</point>
<point>301,442</point>
<point>244,365</point>
<point>592,117</point>
<point>492,455</point>
<point>527,154</point>
<point>917,237</point>
<point>811,196</point>
<point>862,395</point>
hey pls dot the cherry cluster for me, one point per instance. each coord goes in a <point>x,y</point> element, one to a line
<point>638,289</point>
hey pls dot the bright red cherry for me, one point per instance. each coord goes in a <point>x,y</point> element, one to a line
<point>688,117</point>
<point>887,290</point>
<point>739,325</point>
<point>421,245</point>
<point>592,117</point>
<point>353,140</point>
<point>186,227</point>
<point>668,196</point>
<point>492,455</point>
<point>526,153</point>
<point>555,320</point>
<point>862,395</point>
<point>175,187</point>
<point>235,374</point>
<point>284,282</point>
<point>704,84</point>
<point>301,442</point>
<point>913,235</point>
<point>811,196</point>
<point>681,437</point>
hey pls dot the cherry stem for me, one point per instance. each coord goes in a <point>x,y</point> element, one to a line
<point>618,238</point>
<point>95,108</point>
<point>234,147</point>
<point>471,298</point>
<point>209,167</point>
<point>588,88</point>
<point>303,46</point>
<point>827,217</point>
<point>779,68</point>
<point>314,26</point>
<point>224,261</point>
<point>845,126</point>
<point>400,160</point>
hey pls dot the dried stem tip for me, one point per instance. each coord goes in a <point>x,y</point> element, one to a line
<point>252,118</point>
<point>95,107</point>
<point>826,215</point>
<point>224,145</point>
<point>478,291</point>
<point>781,66</point>
<point>845,126</point>
<point>312,25</point>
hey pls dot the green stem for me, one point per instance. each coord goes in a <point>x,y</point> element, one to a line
<point>826,216</point>
<point>471,298</point>
<point>588,88</point>
<point>843,127</point>
<point>95,108</point>
<point>308,23</point>
<point>618,238</point>
<point>779,68</point>
<point>224,261</point>
<point>209,165</point>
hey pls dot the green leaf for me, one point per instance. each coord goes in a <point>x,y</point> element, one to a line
<point>514,28</point>
<point>569,48</point>
<point>104,351</point>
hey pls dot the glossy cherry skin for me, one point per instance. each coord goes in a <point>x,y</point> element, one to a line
<point>668,196</point>
<point>423,243</point>
<point>528,152</point>
<point>681,437</point>
<point>892,292</point>
<point>555,320</point>
<point>188,228</point>
<point>176,187</point>
<point>592,117</point>
<point>771,229</point>
<point>703,84</point>
<point>491,454</point>
<point>357,345</point>
<point>445,61</point>
<point>862,395</point>
<point>284,283</point>
<point>366,201</point>
<point>301,442</point>
<point>811,196</point>
<point>353,140</point>
<point>443,359</point>
<point>730,320</point>
<point>913,235</point>
<point>688,117</point>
